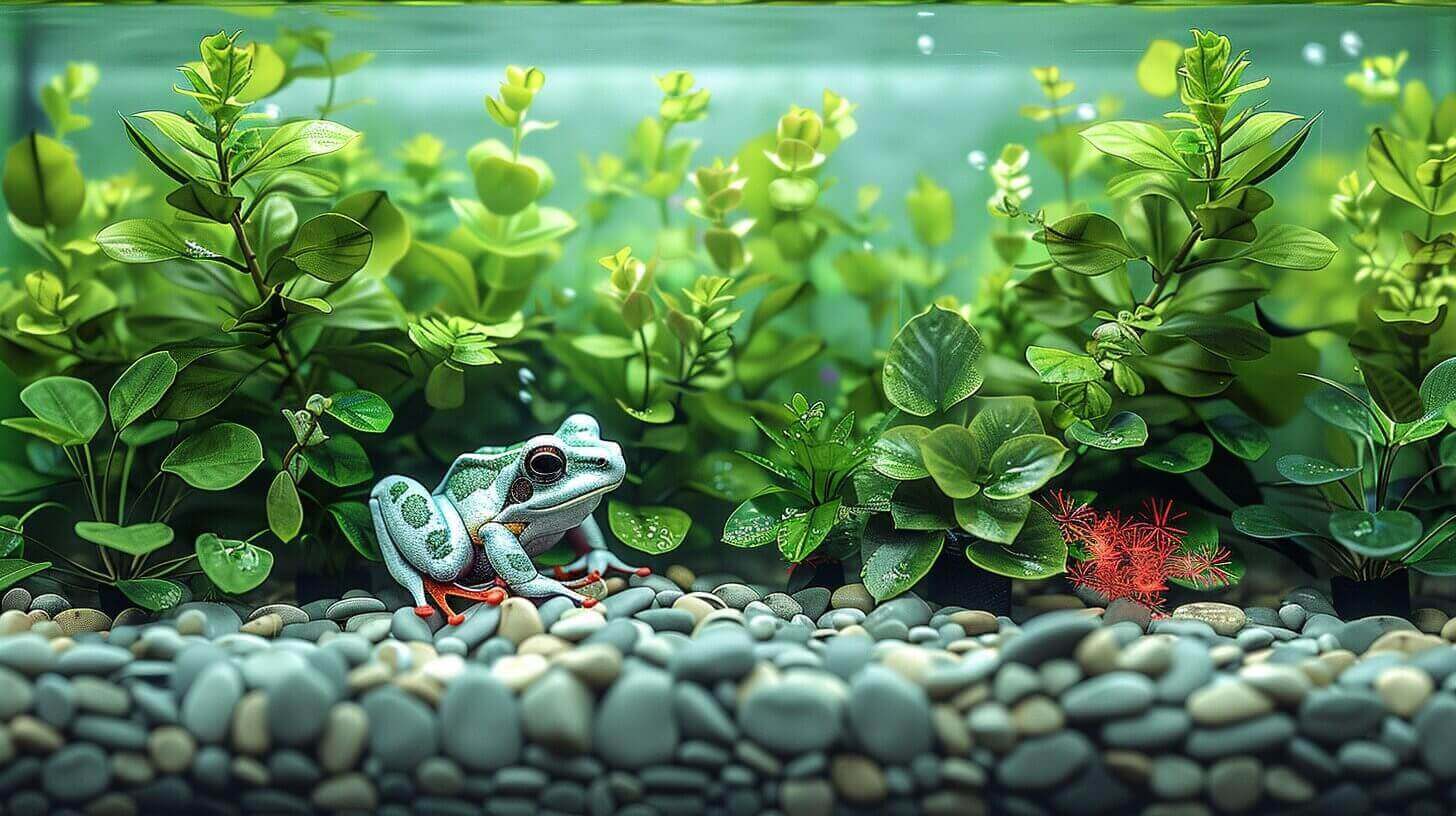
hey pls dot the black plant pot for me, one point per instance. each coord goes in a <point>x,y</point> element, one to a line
<point>316,586</point>
<point>111,600</point>
<point>1383,596</point>
<point>954,581</point>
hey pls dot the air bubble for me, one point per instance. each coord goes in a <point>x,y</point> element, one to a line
<point>568,293</point>
<point>1314,53</point>
<point>926,44</point>
<point>272,111</point>
<point>976,159</point>
<point>1086,111</point>
<point>867,246</point>
<point>526,376</point>
<point>1352,43</point>
<point>524,396</point>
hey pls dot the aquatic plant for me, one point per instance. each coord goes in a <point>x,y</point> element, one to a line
<point>1138,556</point>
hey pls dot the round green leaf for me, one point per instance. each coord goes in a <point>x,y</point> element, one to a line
<point>389,231</point>
<point>933,362</point>
<point>897,453</point>
<point>756,521</point>
<point>234,567</point>
<point>15,570</point>
<point>996,520</point>
<point>653,530</point>
<point>43,183</point>
<point>285,511</point>
<point>1023,465</point>
<point>1037,552</point>
<point>216,459</point>
<point>1088,244</point>
<point>340,461</point>
<point>793,193</point>
<point>1264,522</point>
<point>135,539</point>
<point>897,559</point>
<point>1308,470</point>
<point>505,187</point>
<point>330,247</point>
<point>1124,430</point>
<point>361,410</point>
<point>152,594</point>
<point>1239,435</point>
<point>1183,453</point>
<point>140,388</point>
<point>1383,534</point>
<point>952,459</point>
<point>67,404</point>
<point>1057,366</point>
<point>1001,419</point>
<point>145,240</point>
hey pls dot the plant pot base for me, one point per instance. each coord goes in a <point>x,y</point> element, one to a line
<point>954,581</point>
<point>1383,596</point>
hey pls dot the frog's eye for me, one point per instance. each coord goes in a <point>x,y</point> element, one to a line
<point>545,464</point>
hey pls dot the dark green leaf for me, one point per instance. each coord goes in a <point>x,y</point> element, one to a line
<point>1265,522</point>
<point>285,511</point>
<point>140,388</point>
<point>897,559</point>
<point>1124,430</point>
<point>1088,244</point>
<point>1023,465</point>
<point>933,363</point>
<point>1056,366</point>
<point>152,594</point>
<point>361,410</point>
<point>357,526</point>
<point>1183,453</point>
<point>997,520</point>
<point>951,456</point>
<point>1037,552</point>
<point>897,453</point>
<point>340,461</point>
<point>135,539</point>
<point>216,459</point>
<point>1383,534</point>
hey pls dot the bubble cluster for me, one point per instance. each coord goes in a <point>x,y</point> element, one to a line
<point>1086,111</point>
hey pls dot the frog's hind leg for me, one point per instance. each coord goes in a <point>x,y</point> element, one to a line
<point>441,592</point>
<point>421,537</point>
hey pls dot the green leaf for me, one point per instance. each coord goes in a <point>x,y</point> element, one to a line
<point>357,526</point>
<point>505,187</point>
<point>1184,453</point>
<point>897,559</point>
<point>361,410</point>
<point>1309,470</point>
<point>801,534</point>
<point>605,346</point>
<point>201,200</point>
<point>658,413</point>
<point>1383,534</point>
<point>1286,246</point>
<point>1056,366</point>
<point>297,142</point>
<point>1256,130</point>
<point>330,247</point>
<point>1265,522</point>
<point>12,536</point>
<point>1037,552</point>
<point>340,461</point>
<point>1086,400</point>
<point>933,363</point>
<point>218,458</point>
<point>159,158</point>
<point>996,520</point>
<point>234,567</point>
<point>653,530</point>
<point>1140,143</point>
<point>1392,392</point>
<point>1438,389</point>
<point>1224,335</point>
<point>69,406</point>
<point>1395,164</point>
<point>145,240</point>
<point>152,594</point>
<point>1185,368</point>
<point>1023,465</point>
<point>285,511</point>
<point>897,453</point>
<point>1157,71</point>
<point>388,229</point>
<point>15,570</point>
<point>134,539</point>
<point>1251,171</point>
<point>756,521</point>
<point>952,458</point>
<point>1344,410</point>
<point>140,388</point>
<point>1087,244</point>
<point>42,184</point>
<point>1238,434</point>
<point>1000,420</point>
<point>1124,430</point>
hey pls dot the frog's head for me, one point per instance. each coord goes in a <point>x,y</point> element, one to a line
<point>560,478</point>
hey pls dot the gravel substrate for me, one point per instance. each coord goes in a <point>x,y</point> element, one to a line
<point>726,700</point>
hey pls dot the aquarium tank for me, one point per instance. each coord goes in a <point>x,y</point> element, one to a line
<point>727,408</point>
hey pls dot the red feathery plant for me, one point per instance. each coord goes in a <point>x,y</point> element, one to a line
<point>1135,557</point>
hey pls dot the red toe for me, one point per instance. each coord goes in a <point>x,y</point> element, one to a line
<point>494,597</point>
<point>456,620</point>
<point>424,611</point>
<point>643,572</point>
<point>588,603</point>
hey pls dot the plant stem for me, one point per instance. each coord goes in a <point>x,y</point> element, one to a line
<point>126,462</point>
<point>646,366</point>
<point>1174,266</point>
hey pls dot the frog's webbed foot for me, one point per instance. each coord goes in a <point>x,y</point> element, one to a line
<point>603,562</point>
<point>441,592</point>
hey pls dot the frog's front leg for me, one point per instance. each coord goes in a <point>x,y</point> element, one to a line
<point>594,557</point>
<point>514,566</point>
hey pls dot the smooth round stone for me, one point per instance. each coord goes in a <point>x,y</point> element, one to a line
<point>735,595</point>
<point>975,622</point>
<point>80,620</point>
<point>1248,737</point>
<point>1013,682</point>
<point>1108,696</point>
<point>1192,668</point>
<point>298,705</point>
<point>1334,715</point>
<point>1359,635</point>
<point>407,626</point>
<point>700,716</point>
<point>906,609</point>
<point>1036,716</point>
<point>1292,616</point>
<point>481,622</point>
<point>1367,758</point>
<point>1285,685</point>
<point>406,730</point>
<point>852,596</point>
<point>266,626</point>
<point>812,601</point>
<point>483,732</point>
<point>857,779</point>
<point>719,653</point>
<point>27,653</point>
<point>1235,784</point>
<point>345,608</point>
<point>1404,689</point>
<point>1045,762</point>
<point>633,729</point>
<point>761,627</point>
<point>207,708</point>
<point>518,620</point>
<point>793,716</point>
<point>265,669</point>
<point>1123,609</point>
<point>668,620</point>
<point>1227,702</point>
<point>439,776</point>
<point>598,665</point>
<point>218,619</point>
<point>92,658</point>
<point>288,612</point>
<point>1175,777</point>
<point>110,732</point>
<point>783,605</point>
<point>1434,726</point>
<point>346,730</point>
<point>1286,785</point>
<point>348,792</point>
<point>171,749</point>
<point>1149,655</point>
<point>1160,727</point>
<point>579,626</point>
<point>628,602</point>
<point>15,599</point>
<point>311,631</point>
<point>1429,620</point>
<point>889,715</point>
<point>1253,639</point>
<point>556,712</point>
<point>76,773</point>
<point>16,694</point>
<point>50,603</point>
<point>1052,635</point>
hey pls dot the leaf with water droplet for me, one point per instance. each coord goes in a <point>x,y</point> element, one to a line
<point>1124,430</point>
<point>1384,534</point>
<point>653,530</point>
<point>1309,470</point>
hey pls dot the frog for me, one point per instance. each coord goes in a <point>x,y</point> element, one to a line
<point>476,535</point>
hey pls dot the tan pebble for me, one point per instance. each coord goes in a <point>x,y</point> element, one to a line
<point>518,620</point>
<point>13,621</point>
<point>421,685</point>
<point>78,620</point>
<point>595,664</point>
<point>1430,620</point>
<point>855,630</point>
<point>951,731</point>
<point>250,771</point>
<point>1129,766</point>
<point>1227,654</point>
<point>171,749</point>
<point>445,668</point>
<point>858,779</point>
<point>33,736</point>
<point>718,615</point>
<point>1226,619</point>
<point>682,576</point>
<point>1285,784</point>
<point>1405,642</point>
<point>616,584</point>
<point>1098,651</point>
<point>1151,655</point>
<point>1404,689</point>
<point>132,769</point>
<point>545,645</point>
<point>1037,715</point>
<point>38,615</point>
<point>1320,672</point>
<point>114,803</point>
<point>913,662</point>
<point>694,605</point>
<point>953,803</point>
<point>421,653</point>
<point>1227,702</point>
<point>250,723</point>
<point>351,791</point>
<point>971,696</point>
<point>49,629</point>
<point>1284,684</point>
<point>1448,632</point>
<point>976,622</point>
<point>519,671</point>
<point>1338,659</point>
<point>852,596</point>
<point>366,676</point>
<point>964,645</point>
<point>344,737</point>
<point>192,622</point>
<point>762,674</point>
<point>267,626</point>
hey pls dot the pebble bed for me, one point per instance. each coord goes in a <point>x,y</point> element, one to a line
<point>684,695</point>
